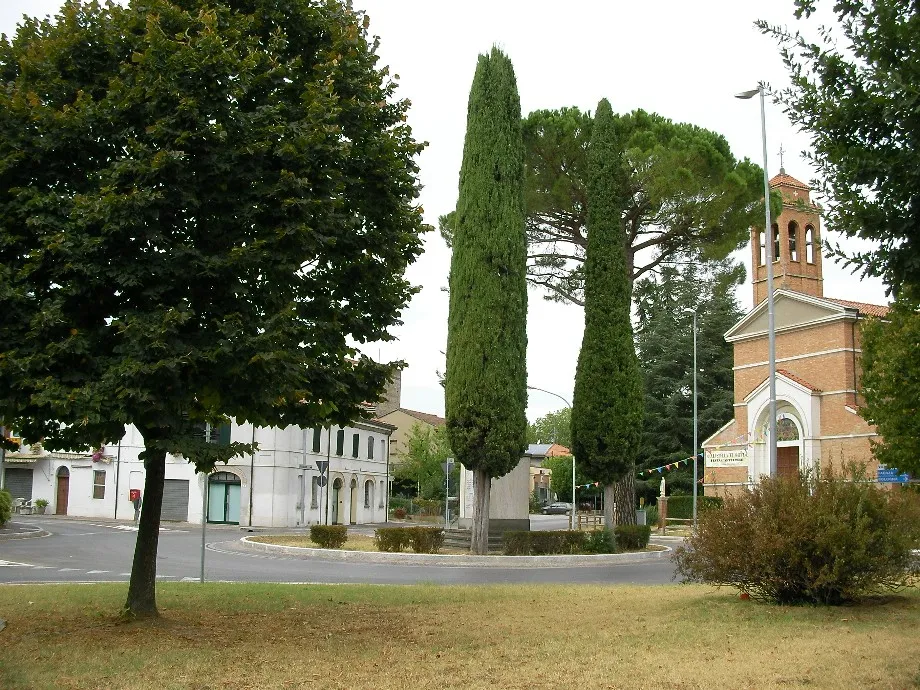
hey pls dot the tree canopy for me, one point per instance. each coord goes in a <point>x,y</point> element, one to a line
<point>890,381</point>
<point>607,402</point>
<point>420,460</point>
<point>664,341</point>
<point>685,193</point>
<point>203,205</point>
<point>553,427</point>
<point>486,382</point>
<point>854,92</point>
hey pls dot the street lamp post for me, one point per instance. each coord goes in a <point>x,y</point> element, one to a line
<point>769,242</point>
<point>695,417</point>
<point>568,405</point>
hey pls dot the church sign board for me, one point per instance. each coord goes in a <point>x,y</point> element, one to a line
<point>726,458</point>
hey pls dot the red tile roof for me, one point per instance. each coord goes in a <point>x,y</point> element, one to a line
<point>792,377</point>
<point>788,181</point>
<point>426,417</point>
<point>863,307</point>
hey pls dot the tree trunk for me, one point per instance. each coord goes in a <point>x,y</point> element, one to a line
<point>610,520</point>
<point>624,495</point>
<point>142,602</point>
<point>482,485</point>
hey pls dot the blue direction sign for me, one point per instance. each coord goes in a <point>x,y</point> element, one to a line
<point>890,475</point>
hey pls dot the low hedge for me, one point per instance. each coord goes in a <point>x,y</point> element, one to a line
<point>542,543</point>
<point>632,537</point>
<point>682,506</point>
<point>419,539</point>
<point>6,506</point>
<point>329,536</point>
<point>601,541</point>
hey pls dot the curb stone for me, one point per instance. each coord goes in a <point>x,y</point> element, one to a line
<point>451,560</point>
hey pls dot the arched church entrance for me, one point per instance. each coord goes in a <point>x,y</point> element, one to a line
<point>788,447</point>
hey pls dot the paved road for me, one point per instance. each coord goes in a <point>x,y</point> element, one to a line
<point>87,550</point>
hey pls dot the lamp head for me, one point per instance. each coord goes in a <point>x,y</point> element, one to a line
<point>745,95</point>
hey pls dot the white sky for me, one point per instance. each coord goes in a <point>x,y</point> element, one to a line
<point>684,60</point>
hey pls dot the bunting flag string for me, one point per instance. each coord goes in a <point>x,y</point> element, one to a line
<point>669,466</point>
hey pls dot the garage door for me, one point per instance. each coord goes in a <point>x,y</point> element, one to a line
<point>175,500</point>
<point>18,481</point>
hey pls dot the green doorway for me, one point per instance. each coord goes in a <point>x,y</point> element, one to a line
<point>224,498</point>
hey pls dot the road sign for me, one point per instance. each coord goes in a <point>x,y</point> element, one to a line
<point>322,466</point>
<point>891,475</point>
<point>321,480</point>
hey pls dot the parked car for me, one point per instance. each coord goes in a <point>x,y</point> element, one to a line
<point>556,509</point>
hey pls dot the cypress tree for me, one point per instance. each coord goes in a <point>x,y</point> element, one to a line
<point>607,405</point>
<point>486,382</point>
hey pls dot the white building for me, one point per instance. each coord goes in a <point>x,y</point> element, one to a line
<point>277,486</point>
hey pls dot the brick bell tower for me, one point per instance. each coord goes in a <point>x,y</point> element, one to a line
<point>797,243</point>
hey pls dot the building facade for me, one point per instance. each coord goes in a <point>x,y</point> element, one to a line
<point>280,485</point>
<point>817,362</point>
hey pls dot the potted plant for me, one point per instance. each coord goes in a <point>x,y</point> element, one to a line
<point>40,505</point>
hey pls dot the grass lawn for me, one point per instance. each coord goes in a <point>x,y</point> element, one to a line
<point>285,636</point>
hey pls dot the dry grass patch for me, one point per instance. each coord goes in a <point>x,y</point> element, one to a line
<point>516,637</point>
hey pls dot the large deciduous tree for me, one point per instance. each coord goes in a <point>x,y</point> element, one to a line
<point>607,405</point>
<point>855,92</point>
<point>685,193</point>
<point>664,342</point>
<point>202,203</point>
<point>553,427</point>
<point>890,381</point>
<point>486,383</point>
<point>421,460</point>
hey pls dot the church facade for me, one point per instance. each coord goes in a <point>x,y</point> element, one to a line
<point>817,362</point>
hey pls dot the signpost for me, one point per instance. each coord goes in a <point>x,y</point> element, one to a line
<point>322,466</point>
<point>448,467</point>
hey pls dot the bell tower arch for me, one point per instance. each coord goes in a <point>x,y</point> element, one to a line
<point>796,237</point>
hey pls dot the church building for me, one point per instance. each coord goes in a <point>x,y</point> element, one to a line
<point>817,362</point>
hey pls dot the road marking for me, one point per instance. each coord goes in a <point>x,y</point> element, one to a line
<point>67,570</point>
<point>42,567</point>
<point>96,572</point>
<point>124,574</point>
<point>164,577</point>
<point>190,579</point>
<point>14,564</point>
<point>133,528</point>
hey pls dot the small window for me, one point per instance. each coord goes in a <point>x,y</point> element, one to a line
<point>382,494</point>
<point>340,442</point>
<point>317,434</point>
<point>99,484</point>
<point>793,231</point>
<point>368,493</point>
<point>314,492</point>
<point>370,447</point>
<point>775,242</point>
<point>762,252</point>
<point>355,445</point>
<point>809,244</point>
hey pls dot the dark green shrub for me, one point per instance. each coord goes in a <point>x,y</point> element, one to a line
<point>682,506</point>
<point>633,537</point>
<point>399,513</point>
<point>822,540</point>
<point>543,543</point>
<point>425,539</point>
<point>516,543</point>
<point>6,506</point>
<point>393,539</point>
<point>651,515</point>
<point>600,541</point>
<point>329,536</point>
